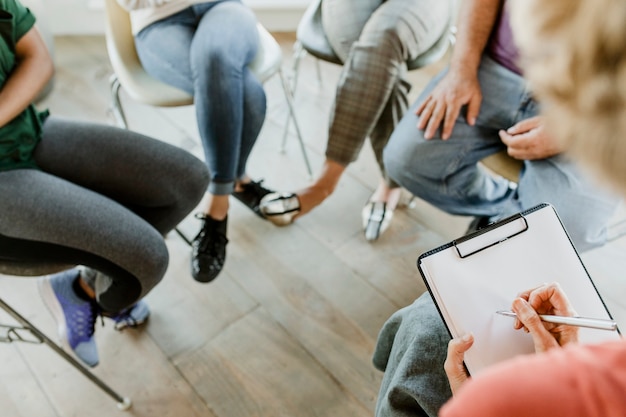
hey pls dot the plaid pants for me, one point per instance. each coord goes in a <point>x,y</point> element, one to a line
<point>375,39</point>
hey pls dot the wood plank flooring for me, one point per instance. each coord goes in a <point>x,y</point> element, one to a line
<point>289,327</point>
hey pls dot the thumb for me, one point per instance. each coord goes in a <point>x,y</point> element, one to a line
<point>455,370</point>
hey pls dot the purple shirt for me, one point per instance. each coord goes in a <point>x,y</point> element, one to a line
<point>501,47</point>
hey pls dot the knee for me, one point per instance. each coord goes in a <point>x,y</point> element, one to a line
<point>385,36</point>
<point>153,263</point>
<point>398,159</point>
<point>218,57</point>
<point>196,181</point>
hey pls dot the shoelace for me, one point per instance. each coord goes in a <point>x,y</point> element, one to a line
<point>209,246</point>
<point>85,322</point>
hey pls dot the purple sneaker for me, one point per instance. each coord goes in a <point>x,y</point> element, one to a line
<point>75,317</point>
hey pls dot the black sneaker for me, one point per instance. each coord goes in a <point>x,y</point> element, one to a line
<point>208,249</point>
<point>251,195</point>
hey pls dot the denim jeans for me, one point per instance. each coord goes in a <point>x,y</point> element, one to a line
<point>205,50</point>
<point>446,173</point>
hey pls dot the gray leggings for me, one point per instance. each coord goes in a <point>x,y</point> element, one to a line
<point>104,198</point>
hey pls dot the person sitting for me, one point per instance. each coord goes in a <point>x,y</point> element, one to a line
<point>581,98</point>
<point>76,191</point>
<point>374,39</point>
<point>204,47</point>
<point>584,69</point>
<point>562,379</point>
<point>478,106</point>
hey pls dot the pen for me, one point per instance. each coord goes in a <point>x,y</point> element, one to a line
<point>601,324</point>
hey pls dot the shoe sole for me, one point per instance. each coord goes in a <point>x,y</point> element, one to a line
<point>54,307</point>
<point>135,325</point>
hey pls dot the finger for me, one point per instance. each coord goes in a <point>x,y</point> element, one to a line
<point>473,107</point>
<point>453,366</point>
<point>526,294</point>
<point>425,115</point>
<point>553,296</point>
<point>423,104</point>
<point>452,112</point>
<point>517,146</point>
<point>524,125</point>
<point>435,121</point>
<point>542,338</point>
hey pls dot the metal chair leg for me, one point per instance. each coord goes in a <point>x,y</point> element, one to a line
<point>116,104</point>
<point>15,334</point>
<point>298,53</point>
<point>182,236</point>
<point>292,116</point>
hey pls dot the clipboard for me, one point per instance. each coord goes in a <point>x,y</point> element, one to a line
<point>472,277</point>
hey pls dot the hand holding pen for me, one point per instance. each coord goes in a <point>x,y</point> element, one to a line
<point>547,299</point>
<point>527,308</point>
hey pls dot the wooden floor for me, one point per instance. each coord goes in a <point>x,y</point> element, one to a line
<point>289,327</point>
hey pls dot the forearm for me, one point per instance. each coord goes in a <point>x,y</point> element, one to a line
<point>477,19</point>
<point>33,70</point>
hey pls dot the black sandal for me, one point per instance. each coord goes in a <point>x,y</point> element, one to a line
<point>251,194</point>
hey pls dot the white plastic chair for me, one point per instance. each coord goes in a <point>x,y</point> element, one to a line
<point>129,74</point>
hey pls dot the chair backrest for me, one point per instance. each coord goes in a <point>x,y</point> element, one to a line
<point>145,89</point>
<point>140,86</point>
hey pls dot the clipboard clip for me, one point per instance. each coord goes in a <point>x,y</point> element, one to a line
<point>491,235</point>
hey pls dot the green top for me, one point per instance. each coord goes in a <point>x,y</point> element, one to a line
<point>19,137</point>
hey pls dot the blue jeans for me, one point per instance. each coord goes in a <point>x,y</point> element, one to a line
<point>446,173</point>
<point>205,50</point>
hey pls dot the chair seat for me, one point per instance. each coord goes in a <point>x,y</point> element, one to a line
<point>311,35</point>
<point>140,86</point>
<point>145,89</point>
<point>269,58</point>
<point>502,164</point>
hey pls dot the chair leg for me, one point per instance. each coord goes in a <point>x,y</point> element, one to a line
<point>318,68</point>
<point>292,116</point>
<point>123,403</point>
<point>116,104</point>
<point>182,236</point>
<point>298,53</point>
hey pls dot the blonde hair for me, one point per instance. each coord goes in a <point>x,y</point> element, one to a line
<point>573,53</point>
